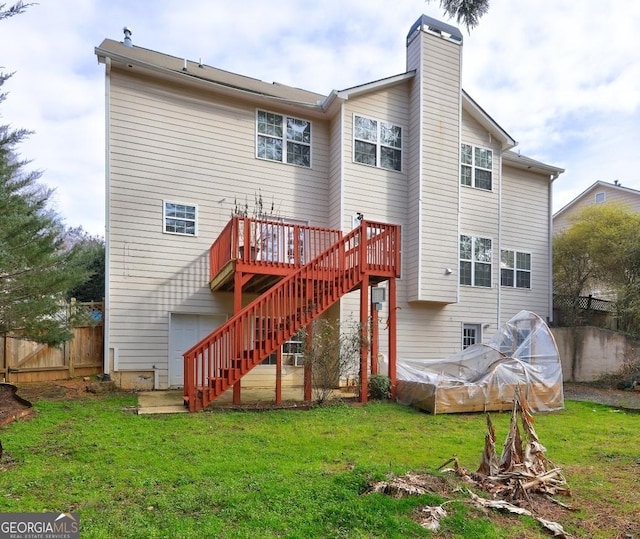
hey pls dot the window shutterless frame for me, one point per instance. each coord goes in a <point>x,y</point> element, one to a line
<point>476,264</point>
<point>283,138</point>
<point>515,269</point>
<point>179,218</point>
<point>476,167</point>
<point>377,143</point>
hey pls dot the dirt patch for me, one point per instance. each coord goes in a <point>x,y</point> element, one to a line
<point>16,400</point>
<point>54,391</point>
<point>12,407</point>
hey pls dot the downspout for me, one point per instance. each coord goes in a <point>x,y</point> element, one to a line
<point>107,240</point>
<point>499,300</point>
<point>457,273</point>
<point>342,184</point>
<point>420,169</point>
<point>550,241</point>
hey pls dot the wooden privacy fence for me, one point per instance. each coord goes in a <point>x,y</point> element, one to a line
<point>28,361</point>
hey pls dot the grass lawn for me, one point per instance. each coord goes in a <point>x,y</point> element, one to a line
<point>298,473</point>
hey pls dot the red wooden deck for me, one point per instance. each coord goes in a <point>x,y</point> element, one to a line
<point>300,272</point>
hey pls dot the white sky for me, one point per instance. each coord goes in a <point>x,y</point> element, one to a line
<point>562,77</point>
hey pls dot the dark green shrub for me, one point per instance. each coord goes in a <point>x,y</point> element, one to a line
<point>379,387</point>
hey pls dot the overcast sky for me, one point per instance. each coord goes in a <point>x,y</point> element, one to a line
<point>562,77</point>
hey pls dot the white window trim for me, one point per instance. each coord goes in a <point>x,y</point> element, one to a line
<point>377,143</point>
<point>603,194</point>
<point>284,139</point>
<point>515,269</point>
<point>474,261</point>
<point>477,327</point>
<point>474,167</point>
<point>164,218</point>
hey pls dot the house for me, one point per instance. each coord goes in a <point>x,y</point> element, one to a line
<point>189,145</point>
<point>598,193</point>
<point>598,299</point>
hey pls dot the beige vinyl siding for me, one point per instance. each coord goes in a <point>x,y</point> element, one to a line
<point>439,76</point>
<point>380,194</point>
<point>525,228</point>
<point>480,217</point>
<point>630,198</point>
<point>174,140</point>
<point>170,145</point>
<point>411,232</point>
<point>336,167</point>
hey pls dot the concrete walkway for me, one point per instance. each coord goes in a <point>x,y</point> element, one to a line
<point>170,401</point>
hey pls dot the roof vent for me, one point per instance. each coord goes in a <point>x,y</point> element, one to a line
<point>127,37</point>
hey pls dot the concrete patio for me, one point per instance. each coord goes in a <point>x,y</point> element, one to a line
<point>170,401</point>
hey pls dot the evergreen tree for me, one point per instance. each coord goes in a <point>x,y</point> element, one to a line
<point>93,250</point>
<point>466,11</point>
<point>36,271</point>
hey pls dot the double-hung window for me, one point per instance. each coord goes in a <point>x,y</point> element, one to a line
<point>377,143</point>
<point>515,269</point>
<point>475,261</point>
<point>180,218</point>
<point>282,138</point>
<point>476,167</point>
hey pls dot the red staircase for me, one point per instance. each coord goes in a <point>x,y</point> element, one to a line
<point>244,341</point>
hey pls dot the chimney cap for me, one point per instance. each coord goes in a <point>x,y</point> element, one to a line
<point>437,27</point>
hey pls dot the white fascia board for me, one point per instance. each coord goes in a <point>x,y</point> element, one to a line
<point>479,114</point>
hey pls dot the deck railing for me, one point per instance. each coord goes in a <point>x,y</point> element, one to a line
<point>268,243</point>
<point>229,352</point>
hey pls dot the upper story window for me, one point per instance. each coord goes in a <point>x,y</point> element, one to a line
<point>601,197</point>
<point>515,269</point>
<point>282,138</point>
<point>377,143</point>
<point>476,167</point>
<point>180,218</point>
<point>475,261</point>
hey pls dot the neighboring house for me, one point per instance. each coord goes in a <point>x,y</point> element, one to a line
<point>187,143</point>
<point>598,193</point>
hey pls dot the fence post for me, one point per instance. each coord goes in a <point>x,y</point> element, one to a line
<point>66,347</point>
<point>5,359</point>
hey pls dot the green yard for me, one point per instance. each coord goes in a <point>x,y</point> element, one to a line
<point>297,473</point>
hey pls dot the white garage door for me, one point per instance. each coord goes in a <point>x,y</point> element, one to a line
<point>186,330</point>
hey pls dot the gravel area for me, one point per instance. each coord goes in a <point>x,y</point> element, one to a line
<point>629,400</point>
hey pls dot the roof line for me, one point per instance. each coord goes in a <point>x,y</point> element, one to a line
<point>484,118</point>
<point>102,53</point>
<point>375,85</point>
<point>590,188</point>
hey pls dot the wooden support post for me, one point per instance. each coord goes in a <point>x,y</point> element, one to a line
<point>279,375</point>
<point>393,342</point>
<point>238,279</point>
<point>69,359</point>
<point>308,381</point>
<point>364,347</point>
<point>375,339</point>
